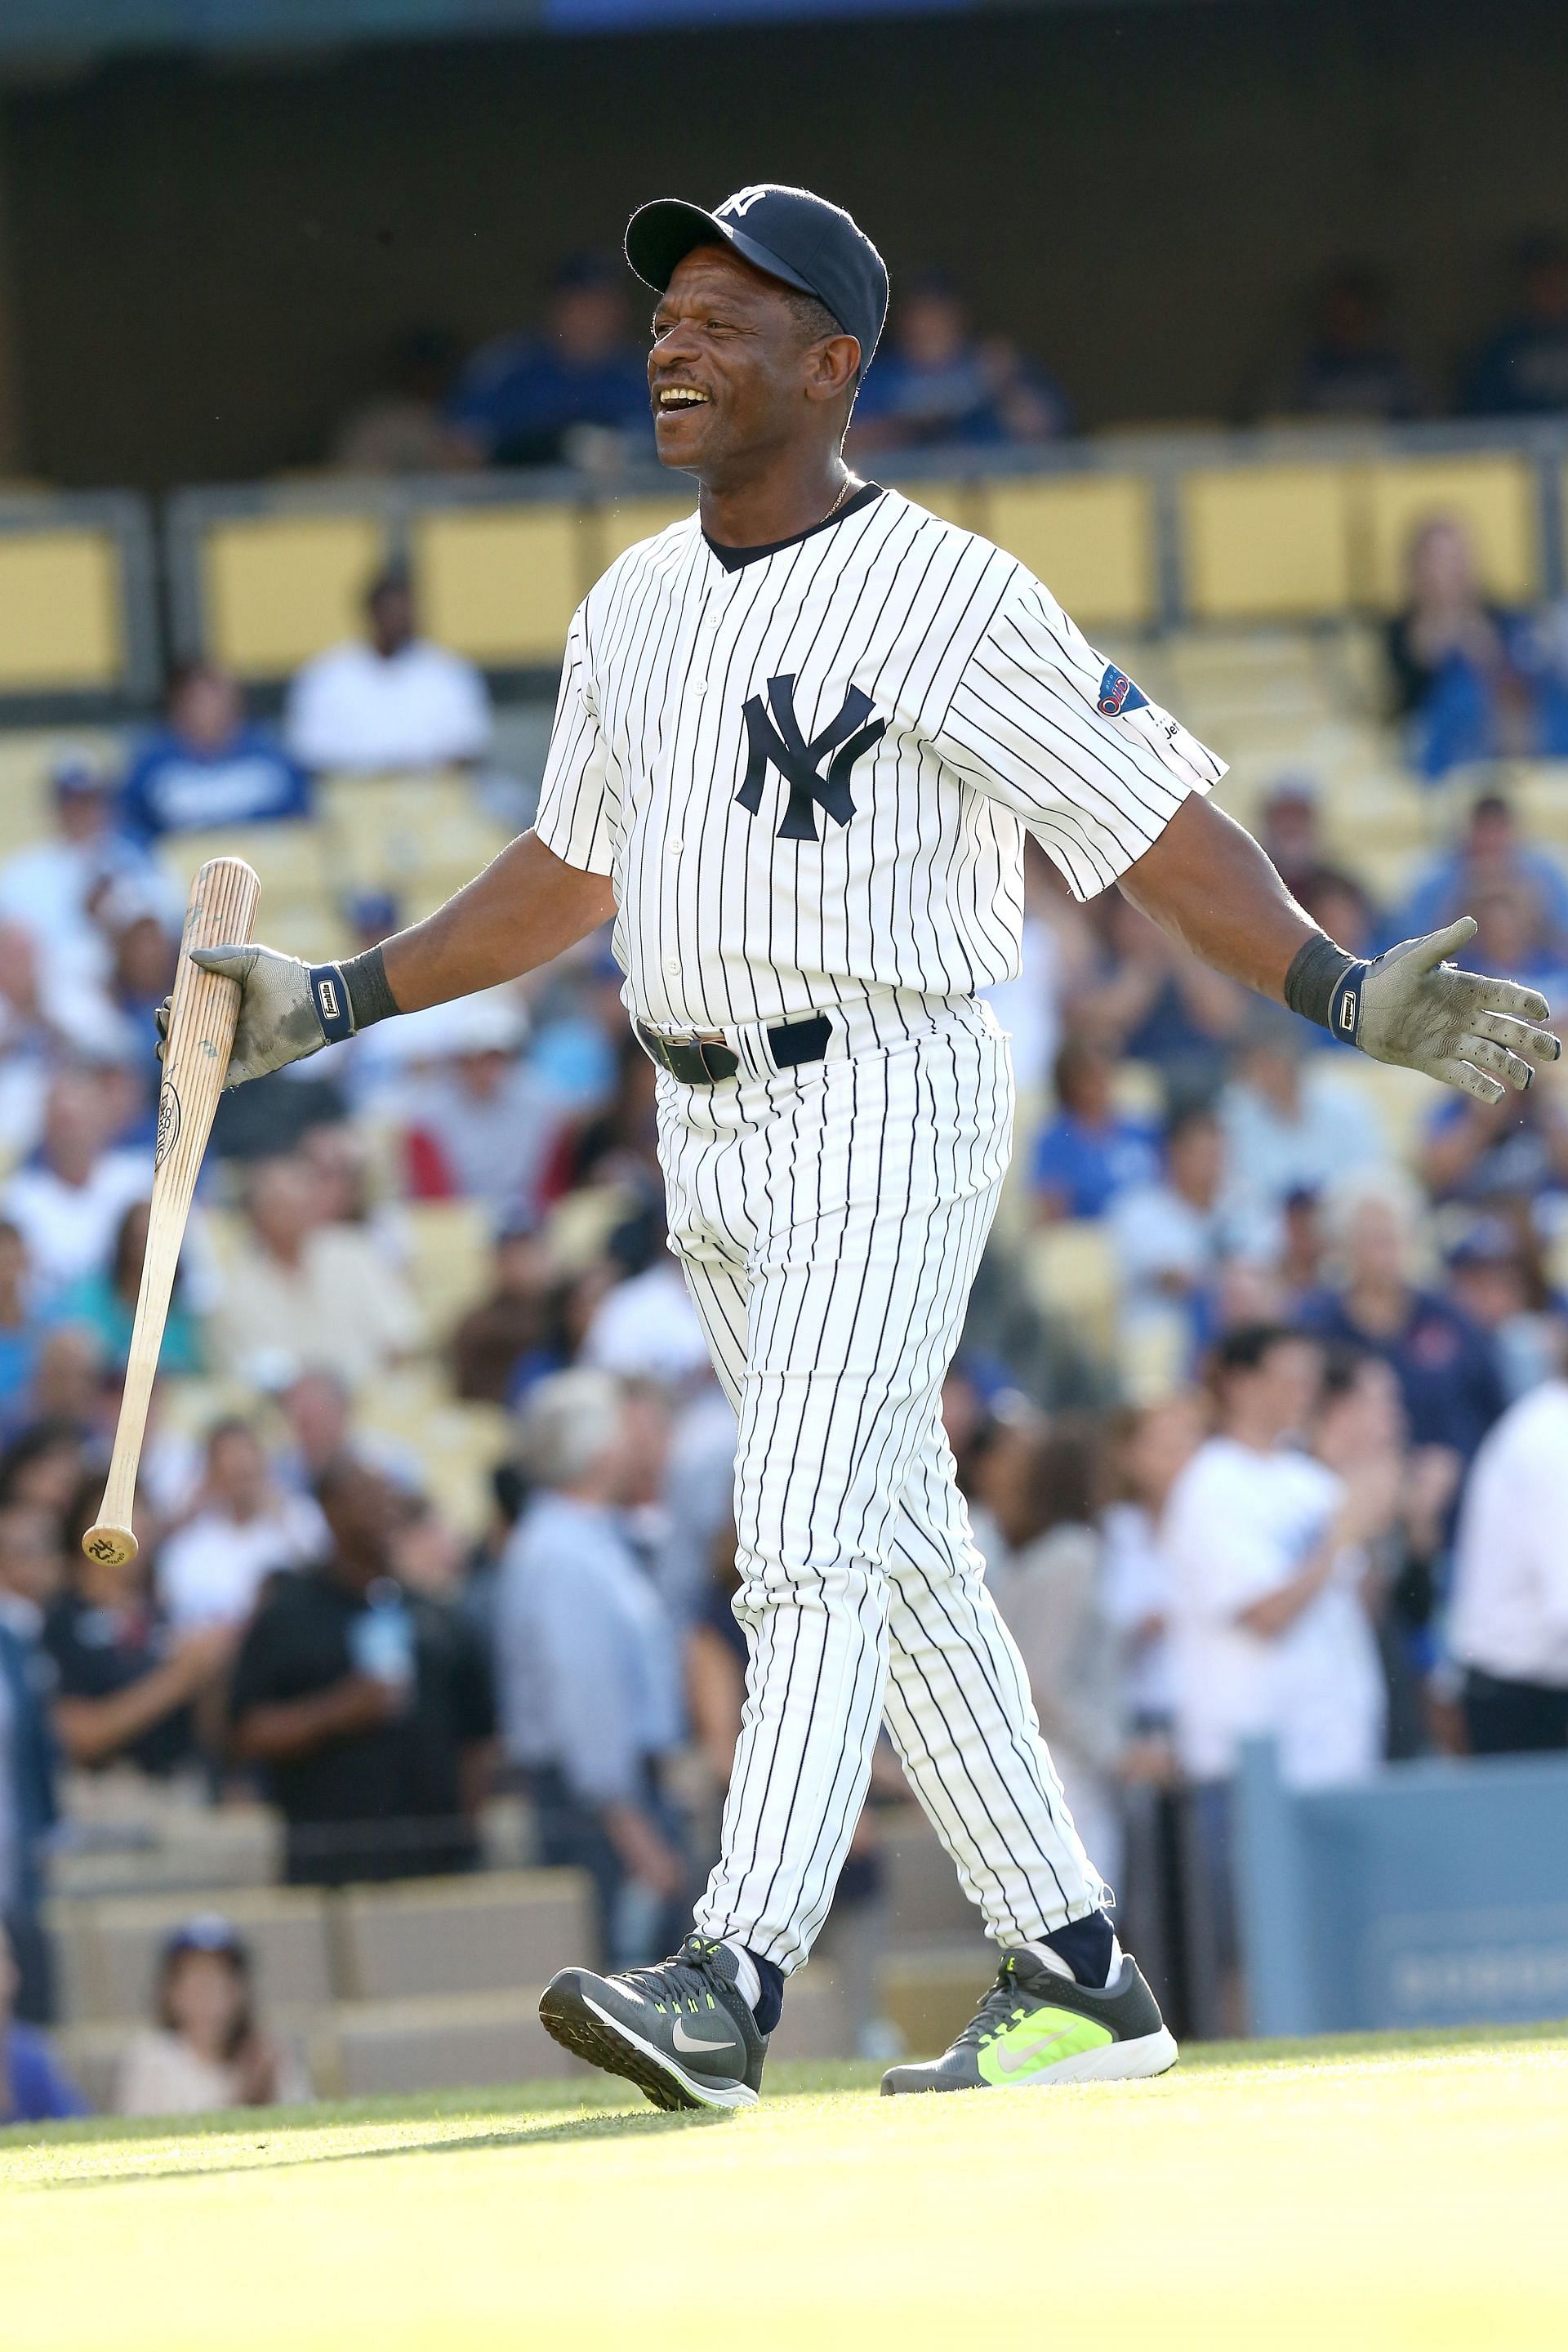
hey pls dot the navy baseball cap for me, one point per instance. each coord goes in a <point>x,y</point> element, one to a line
<point>788,231</point>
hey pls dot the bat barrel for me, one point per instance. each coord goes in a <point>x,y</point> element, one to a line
<point>201,1015</point>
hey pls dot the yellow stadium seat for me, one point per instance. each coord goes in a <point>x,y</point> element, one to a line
<point>955,501</point>
<point>278,588</point>
<point>1069,1271</point>
<point>288,856</point>
<point>619,523</point>
<point>1090,537</point>
<point>1540,797</point>
<point>1266,542</point>
<point>500,584</point>
<point>418,837</point>
<point>61,596</point>
<point>449,1246</point>
<point>1493,496</point>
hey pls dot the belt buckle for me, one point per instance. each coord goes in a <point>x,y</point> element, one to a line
<point>711,1049</point>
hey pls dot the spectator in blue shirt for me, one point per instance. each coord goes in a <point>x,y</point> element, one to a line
<point>207,765</point>
<point>524,399</point>
<point>1471,679</point>
<point>1524,370</point>
<point>1448,1368</point>
<point>587,1664</point>
<point>1089,1150</point>
<point>34,2086</point>
<point>1487,855</point>
<point>935,381</point>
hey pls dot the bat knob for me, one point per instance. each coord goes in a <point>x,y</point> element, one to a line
<point>110,1546</point>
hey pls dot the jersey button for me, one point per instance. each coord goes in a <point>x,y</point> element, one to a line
<point>672,963</point>
<point>675,845</point>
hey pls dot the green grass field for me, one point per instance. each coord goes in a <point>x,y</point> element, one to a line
<point>1368,2194</point>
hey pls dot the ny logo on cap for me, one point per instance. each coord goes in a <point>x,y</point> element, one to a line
<point>740,203</point>
<point>778,741</point>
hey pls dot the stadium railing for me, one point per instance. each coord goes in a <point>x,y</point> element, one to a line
<point>1141,533</point>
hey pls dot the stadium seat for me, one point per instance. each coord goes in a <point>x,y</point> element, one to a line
<point>1069,1271</point>
<point>118,1942</point>
<point>616,524</point>
<point>288,857</point>
<point>457,1446</point>
<point>61,594</point>
<point>1090,537</point>
<point>449,1245</point>
<point>417,836</point>
<point>1494,496</point>
<point>278,588</point>
<point>500,584</point>
<point>815,2024</point>
<point>492,1933</point>
<point>1265,542</point>
<point>371,2048</point>
<point>926,1904</point>
<point>932,1995</point>
<point>955,500</point>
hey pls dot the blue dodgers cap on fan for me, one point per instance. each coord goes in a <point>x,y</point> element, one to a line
<point>792,235</point>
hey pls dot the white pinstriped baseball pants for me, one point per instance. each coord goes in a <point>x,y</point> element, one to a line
<point>830,1221</point>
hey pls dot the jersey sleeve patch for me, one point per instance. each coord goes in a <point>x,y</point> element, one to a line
<point>1117,695</point>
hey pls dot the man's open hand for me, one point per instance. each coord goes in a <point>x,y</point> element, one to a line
<point>1479,1035</point>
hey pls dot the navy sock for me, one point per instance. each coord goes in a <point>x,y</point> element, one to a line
<point>770,2001</point>
<point>1085,1945</point>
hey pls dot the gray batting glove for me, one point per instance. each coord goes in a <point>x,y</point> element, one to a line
<point>277,1022</point>
<point>1419,1011</point>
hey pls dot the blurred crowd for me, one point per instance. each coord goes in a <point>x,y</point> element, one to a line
<point>572,389</point>
<point>1261,1409</point>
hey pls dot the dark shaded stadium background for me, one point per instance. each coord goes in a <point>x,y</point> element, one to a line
<point>202,261</point>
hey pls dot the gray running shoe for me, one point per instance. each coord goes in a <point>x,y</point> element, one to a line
<point>1037,2026</point>
<point>682,2032</point>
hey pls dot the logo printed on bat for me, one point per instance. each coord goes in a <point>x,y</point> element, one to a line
<point>168,1123</point>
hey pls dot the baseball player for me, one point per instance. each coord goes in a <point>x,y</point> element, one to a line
<point>799,738</point>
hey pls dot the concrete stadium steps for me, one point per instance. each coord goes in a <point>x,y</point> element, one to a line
<point>368,2047</point>
<point>458,1935</point>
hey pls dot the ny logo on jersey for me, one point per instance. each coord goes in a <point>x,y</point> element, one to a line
<point>777,740</point>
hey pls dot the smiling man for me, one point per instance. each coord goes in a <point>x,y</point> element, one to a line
<point>799,738</point>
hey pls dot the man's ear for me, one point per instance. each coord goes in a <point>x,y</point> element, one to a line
<point>834,366</point>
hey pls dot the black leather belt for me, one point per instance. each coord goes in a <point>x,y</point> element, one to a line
<point>701,1058</point>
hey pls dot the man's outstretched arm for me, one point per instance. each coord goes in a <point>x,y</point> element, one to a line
<point>1206,882</point>
<point>527,906</point>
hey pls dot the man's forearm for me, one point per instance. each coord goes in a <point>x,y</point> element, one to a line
<point>1207,882</point>
<point>527,906</point>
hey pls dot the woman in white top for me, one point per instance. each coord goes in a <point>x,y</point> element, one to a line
<point>207,2051</point>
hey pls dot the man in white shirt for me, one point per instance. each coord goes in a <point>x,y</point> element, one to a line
<point>67,1207</point>
<point>395,702</point>
<point>1509,1621</point>
<point>1269,1637</point>
<point>318,1294</point>
<point>211,1572</point>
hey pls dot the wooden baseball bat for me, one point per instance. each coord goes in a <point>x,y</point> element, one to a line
<point>220,911</point>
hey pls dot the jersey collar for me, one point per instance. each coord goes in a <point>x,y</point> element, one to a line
<point>733,558</point>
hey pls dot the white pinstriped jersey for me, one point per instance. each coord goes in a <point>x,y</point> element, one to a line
<point>809,768</point>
